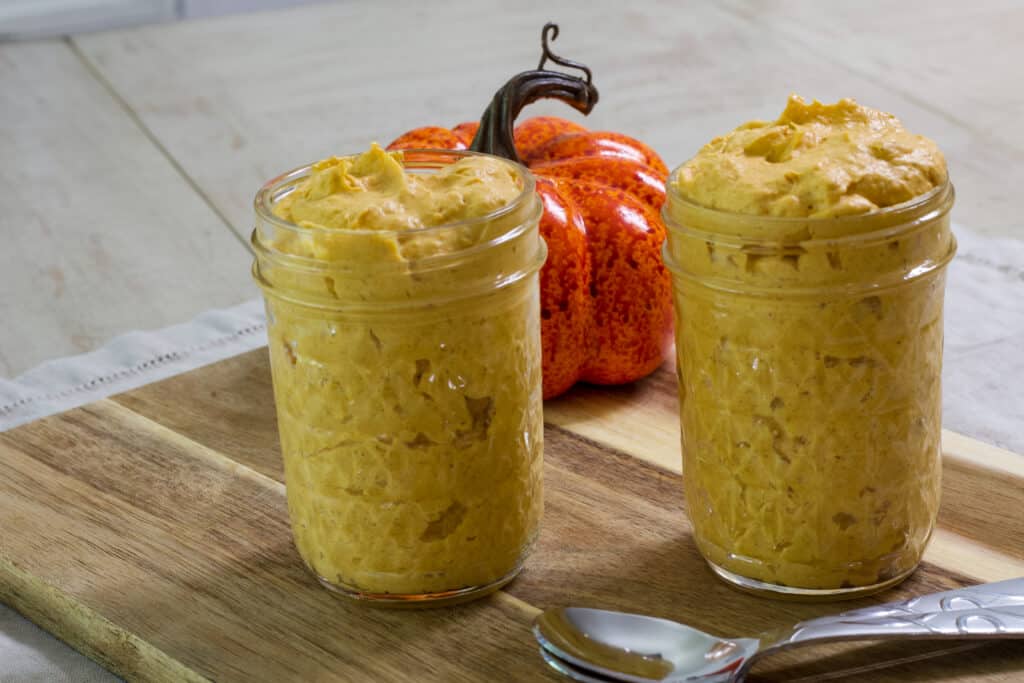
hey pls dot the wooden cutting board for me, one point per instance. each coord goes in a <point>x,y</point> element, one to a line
<point>150,532</point>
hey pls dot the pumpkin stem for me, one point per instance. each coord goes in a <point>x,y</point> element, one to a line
<point>549,33</point>
<point>496,132</point>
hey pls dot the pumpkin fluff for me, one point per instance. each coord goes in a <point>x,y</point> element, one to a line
<point>809,254</point>
<point>816,160</point>
<point>412,443</point>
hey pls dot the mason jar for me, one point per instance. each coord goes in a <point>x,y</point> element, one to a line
<point>809,360</point>
<point>407,378</point>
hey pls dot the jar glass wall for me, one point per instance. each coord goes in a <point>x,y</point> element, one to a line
<point>406,369</point>
<point>809,358</point>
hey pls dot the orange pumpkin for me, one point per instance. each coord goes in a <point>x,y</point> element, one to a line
<point>605,294</point>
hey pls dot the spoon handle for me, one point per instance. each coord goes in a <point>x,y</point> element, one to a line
<point>905,615</point>
<point>983,622</point>
<point>999,594</point>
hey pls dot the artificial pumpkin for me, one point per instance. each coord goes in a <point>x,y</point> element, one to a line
<point>605,293</point>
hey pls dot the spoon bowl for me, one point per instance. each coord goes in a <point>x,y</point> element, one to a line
<point>636,648</point>
<point>600,645</point>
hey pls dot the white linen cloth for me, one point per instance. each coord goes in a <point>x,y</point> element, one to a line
<point>983,394</point>
<point>130,361</point>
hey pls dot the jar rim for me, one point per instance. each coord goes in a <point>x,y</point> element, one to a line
<point>498,232</point>
<point>894,220</point>
<point>907,206</point>
<point>265,198</point>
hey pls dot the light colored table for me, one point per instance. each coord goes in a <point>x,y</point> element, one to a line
<point>129,158</point>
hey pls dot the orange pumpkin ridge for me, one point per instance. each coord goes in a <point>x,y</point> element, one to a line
<point>630,176</point>
<point>428,137</point>
<point>603,144</point>
<point>535,133</point>
<point>566,306</point>
<point>631,289</point>
<point>465,132</point>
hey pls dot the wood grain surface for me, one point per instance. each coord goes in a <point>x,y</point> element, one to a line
<point>234,107</point>
<point>150,532</point>
<point>100,235</point>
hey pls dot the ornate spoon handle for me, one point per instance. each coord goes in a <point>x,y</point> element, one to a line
<point>1005,621</point>
<point>1000,594</point>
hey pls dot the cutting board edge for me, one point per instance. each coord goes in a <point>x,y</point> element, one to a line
<point>87,631</point>
<point>982,454</point>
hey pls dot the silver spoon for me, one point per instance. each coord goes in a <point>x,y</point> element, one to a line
<point>600,645</point>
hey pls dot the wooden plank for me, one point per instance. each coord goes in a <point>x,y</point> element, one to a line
<point>236,109</point>
<point>87,630</point>
<point>640,418</point>
<point>101,234</point>
<point>184,559</point>
<point>980,454</point>
<point>615,532</point>
<point>230,409</point>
